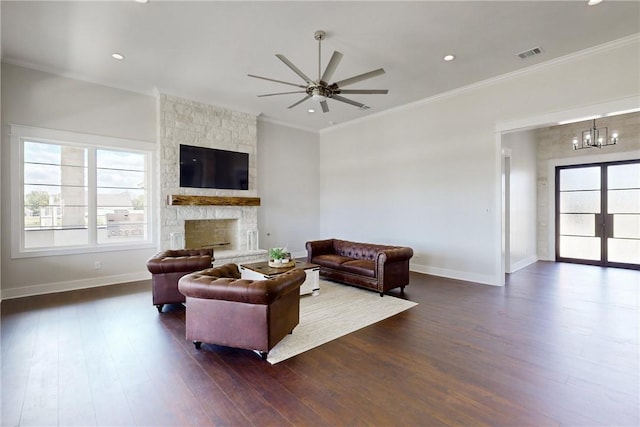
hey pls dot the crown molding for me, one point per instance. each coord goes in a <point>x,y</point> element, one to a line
<point>74,76</point>
<point>266,119</point>
<point>615,44</point>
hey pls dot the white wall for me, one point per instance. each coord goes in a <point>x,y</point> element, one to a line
<point>289,178</point>
<point>523,200</point>
<point>427,175</point>
<point>39,99</point>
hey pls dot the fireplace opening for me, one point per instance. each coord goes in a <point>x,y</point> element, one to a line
<point>220,234</point>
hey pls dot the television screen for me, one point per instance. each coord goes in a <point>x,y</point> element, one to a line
<point>212,168</point>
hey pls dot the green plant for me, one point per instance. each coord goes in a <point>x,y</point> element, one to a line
<point>277,253</point>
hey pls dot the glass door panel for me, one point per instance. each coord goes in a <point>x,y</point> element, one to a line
<point>623,204</point>
<point>579,201</point>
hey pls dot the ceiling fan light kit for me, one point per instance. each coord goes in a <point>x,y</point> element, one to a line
<point>320,90</point>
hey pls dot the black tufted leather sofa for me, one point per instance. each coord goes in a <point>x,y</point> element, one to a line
<point>370,266</point>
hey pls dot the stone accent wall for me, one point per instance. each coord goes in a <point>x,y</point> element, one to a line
<point>182,121</point>
<point>554,143</point>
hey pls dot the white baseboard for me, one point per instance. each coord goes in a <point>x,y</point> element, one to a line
<point>49,288</point>
<point>483,279</point>
<point>523,263</point>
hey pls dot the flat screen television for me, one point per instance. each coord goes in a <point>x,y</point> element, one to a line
<point>202,167</point>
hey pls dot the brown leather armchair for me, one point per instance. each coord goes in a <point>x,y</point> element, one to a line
<point>168,267</point>
<point>255,315</point>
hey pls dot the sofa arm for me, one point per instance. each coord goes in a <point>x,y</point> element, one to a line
<point>319,247</point>
<point>224,283</point>
<point>394,254</point>
<point>392,265</point>
<point>183,260</point>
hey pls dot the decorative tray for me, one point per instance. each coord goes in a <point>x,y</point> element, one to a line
<point>289,264</point>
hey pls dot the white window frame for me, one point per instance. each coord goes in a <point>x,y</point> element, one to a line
<point>19,134</point>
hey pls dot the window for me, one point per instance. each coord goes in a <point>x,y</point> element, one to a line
<point>78,193</point>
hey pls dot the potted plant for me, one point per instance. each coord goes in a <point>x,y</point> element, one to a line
<point>279,257</point>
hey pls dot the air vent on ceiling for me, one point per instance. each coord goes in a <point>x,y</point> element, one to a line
<point>530,52</point>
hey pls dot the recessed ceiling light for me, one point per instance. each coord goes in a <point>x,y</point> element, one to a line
<point>449,58</point>
<point>311,110</point>
<point>142,1</point>
<point>594,2</point>
<point>117,56</point>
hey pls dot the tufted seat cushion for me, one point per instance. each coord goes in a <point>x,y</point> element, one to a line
<point>359,266</point>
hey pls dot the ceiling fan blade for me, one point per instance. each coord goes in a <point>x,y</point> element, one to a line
<point>294,68</point>
<point>365,91</point>
<point>277,81</point>
<point>281,93</point>
<point>348,101</point>
<point>331,66</point>
<point>299,102</point>
<point>325,106</point>
<point>358,78</point>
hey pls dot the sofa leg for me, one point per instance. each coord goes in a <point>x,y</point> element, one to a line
<point>402,289</point>
<point>159,307</point>
<point>197,344</point>
<point>263,355</point>
<point>381,294</point>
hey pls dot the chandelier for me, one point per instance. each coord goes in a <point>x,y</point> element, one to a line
<point>595,138</point>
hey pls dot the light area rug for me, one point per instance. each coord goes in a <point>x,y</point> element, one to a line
<point>337,311</point>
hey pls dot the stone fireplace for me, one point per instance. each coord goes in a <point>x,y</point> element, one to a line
<point>231,230</point>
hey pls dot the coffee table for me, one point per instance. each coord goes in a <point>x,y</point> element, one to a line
<point>261,271</point>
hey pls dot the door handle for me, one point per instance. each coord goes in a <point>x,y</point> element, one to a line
<point>599,225</point>
<point>608,225</point>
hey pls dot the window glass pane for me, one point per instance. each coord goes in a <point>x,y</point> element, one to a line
<point>55,195</point>
<point>626,226</point>
<point>577,224</point>
<point>587,178</point>
<point>580,247</point>
<point>121,196</point>
<point>54,154</point>
<point>623,176</point>
<point>624,250</point>
<point>122,225</point>
<point>623,201</point>
<point>35,173</point>
<point>120,178</point>
<point>109,159</point>
<point>580,202</point>
<point>37,152</point>
<point>55,237</point>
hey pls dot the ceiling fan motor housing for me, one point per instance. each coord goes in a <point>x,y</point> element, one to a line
<point>319,92</point>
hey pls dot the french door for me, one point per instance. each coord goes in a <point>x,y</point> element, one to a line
<point>598,214</point>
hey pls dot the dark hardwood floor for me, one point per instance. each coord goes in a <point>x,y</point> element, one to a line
<point>557,345</point>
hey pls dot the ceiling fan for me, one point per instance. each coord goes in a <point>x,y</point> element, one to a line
<point>319,90</point>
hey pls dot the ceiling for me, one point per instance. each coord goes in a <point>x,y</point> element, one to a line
<point>203,50</point>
